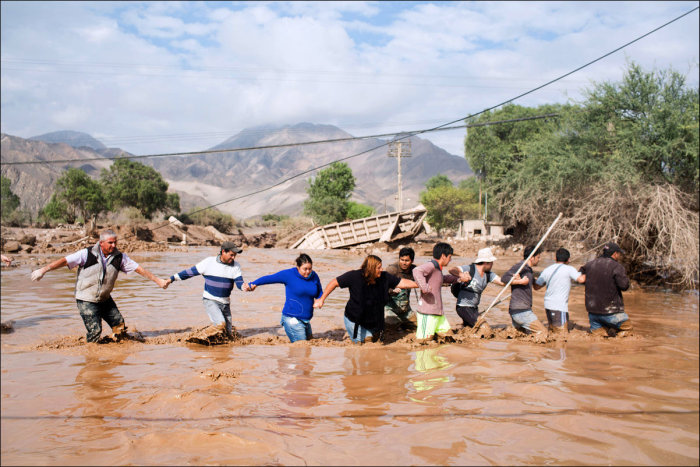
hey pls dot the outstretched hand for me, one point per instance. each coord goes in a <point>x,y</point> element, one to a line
<point>162,283</point>
<point>318,303</point>
<point>38,274</point>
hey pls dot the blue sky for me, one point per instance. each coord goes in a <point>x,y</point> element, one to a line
<point>155,77</point>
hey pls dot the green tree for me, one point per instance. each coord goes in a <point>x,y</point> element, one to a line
<point>447,205</point>
<point>648,126</point>
<point>329,193</point>
<point>130,183</point>
<point>437,181</point>
<point>634,141</point>
<point>359,210</point>
<point>10,201</point>
<point>56,210</point>
<point>76,195</point>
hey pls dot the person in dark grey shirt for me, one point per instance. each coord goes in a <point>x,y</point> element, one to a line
<point>606,279</point>
<point>520,308</point>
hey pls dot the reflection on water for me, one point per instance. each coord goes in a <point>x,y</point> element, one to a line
<point>630,401</point>
<point>427,361</point>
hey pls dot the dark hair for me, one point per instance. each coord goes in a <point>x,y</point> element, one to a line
<point>303,259</point>
<point>442,249</point>
<point>369,266</point>
<point>563,255</point>
<point>406,251</point>
<point>529,249</point>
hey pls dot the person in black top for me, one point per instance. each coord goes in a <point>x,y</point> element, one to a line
<point>369,291</point>
<point>605,281</point>
<point>520,308</point>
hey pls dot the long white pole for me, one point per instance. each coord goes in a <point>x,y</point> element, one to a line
<point>481,318</point>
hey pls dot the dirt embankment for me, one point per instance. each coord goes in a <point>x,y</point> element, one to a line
<point>167,236</point>
<point>155,236</point>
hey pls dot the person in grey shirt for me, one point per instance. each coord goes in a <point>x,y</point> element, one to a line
<point>479,276</point>
<point>557,278</point>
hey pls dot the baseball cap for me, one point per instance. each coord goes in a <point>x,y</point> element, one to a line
<point>611,247</point>
<point>230,246</point>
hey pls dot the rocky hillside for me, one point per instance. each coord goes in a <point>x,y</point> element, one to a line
<point>212,178</point>
<point>35,183</point>
<point>222,176</point>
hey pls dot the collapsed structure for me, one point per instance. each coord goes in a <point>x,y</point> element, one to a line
<point>388,227</point>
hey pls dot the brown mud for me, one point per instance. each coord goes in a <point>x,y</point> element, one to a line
<point>174,390</point>
<point>393,336</point>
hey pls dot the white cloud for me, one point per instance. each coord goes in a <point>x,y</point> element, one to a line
<point>134,71</point>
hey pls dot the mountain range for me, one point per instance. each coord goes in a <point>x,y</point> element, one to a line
<point>214,178</point>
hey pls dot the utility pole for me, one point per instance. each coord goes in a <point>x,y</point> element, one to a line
<point>399,149</point>
<point>479,175</point>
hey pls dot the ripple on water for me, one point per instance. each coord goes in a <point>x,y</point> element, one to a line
<point>263,401</point>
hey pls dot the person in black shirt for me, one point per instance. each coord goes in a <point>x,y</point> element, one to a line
<point>605,281</point>
<point>520,308</point>
<point>369,291</point>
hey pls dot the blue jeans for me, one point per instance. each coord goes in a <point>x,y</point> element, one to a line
<point>297,329</point>
<point>219,313</point>
<point>362,333</point>
<point>523,320</point>
<point>601,321</point>
<point>94,313</point>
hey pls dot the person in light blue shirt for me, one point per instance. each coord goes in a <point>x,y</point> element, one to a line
<point>302,286</point>
<point>557,278</point>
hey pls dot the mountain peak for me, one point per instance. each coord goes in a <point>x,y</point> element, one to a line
<point>265,134</point>
<point>75,139</point>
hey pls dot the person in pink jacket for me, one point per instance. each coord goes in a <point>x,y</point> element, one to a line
<point>429,277</point>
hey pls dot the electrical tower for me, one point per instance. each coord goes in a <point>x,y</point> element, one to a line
<point>399,149</point>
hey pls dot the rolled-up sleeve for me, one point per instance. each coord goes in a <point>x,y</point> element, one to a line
<point>128,264</point>
<point>76,259</point>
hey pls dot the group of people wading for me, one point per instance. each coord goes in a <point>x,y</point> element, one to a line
<point>373,291</point>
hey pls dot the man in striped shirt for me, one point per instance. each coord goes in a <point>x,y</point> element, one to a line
<point>220,273</point>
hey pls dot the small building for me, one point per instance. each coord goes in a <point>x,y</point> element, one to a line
<point>480,228</point>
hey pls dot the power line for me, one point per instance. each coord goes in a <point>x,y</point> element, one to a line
<point>278,146</point>
<point>408,135</point>
<point>444,126</point>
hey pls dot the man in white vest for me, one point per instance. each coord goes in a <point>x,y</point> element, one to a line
<point>98,268</point>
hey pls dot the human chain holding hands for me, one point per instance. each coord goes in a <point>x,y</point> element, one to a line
<point>301,286</point>
<point>369,289</point>
<point>220,273</point>
<point>98,268</point>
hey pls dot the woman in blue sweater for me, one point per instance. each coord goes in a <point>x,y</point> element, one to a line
<point>302,286</point>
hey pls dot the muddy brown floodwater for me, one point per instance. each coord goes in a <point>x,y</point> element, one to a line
<point>631,400</point>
